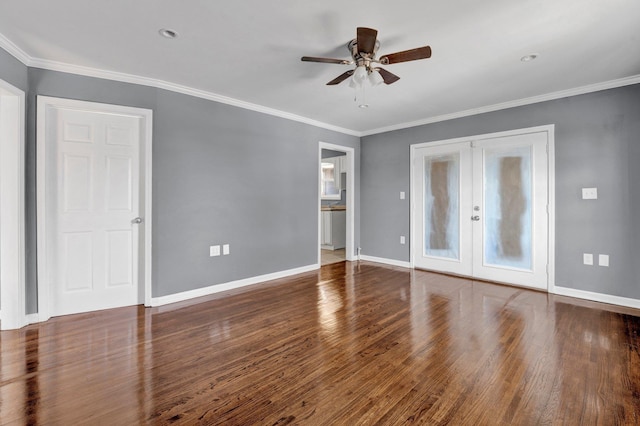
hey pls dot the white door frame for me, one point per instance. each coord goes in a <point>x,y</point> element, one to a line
<point>146,117</point>
<point>350,238</point>
<point>12,201</point>
<point>550,130</point>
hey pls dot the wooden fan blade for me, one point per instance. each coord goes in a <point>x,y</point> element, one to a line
<point>407,55</point>
<point>366,39</point>
<point>387,76</point>
<point>339,79</point>
<point>325,60</point>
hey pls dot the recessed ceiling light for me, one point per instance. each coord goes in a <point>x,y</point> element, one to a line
<point>529,58</point>
<point>167,33</point>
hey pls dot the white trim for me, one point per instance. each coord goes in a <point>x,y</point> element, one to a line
<point>47,64</point>
<point>217,288</point>
<point>501,134</point>
<point>14,50</point>
<point>50,65</point>
<point>146,115</point>
<point>12,201</point>
<point>551,181</point>
<point>147,153</point>
<point>32,318</point>
<point>551,210</point>
<point>178,88</point>
<point>412,205</point>
<point>392,262</point>
<point>597,297</point>
<point>350,237</point>
<point>605,85</point>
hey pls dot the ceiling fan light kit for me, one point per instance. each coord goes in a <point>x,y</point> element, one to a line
<point>363,50</point>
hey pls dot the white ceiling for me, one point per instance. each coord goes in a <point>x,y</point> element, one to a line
<point>250,50</point>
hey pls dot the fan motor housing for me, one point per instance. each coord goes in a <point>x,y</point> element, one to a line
<point>361,58</point>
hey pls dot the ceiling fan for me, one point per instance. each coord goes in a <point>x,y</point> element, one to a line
<point>363,51</point>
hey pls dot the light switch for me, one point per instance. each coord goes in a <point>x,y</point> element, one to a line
<point>225,249</point>
<point>603,260</point>
<point>589,193</point>
<point>214,251</point>
<point>587,258</point>
<point>401,239</point>
<point>402,195</point>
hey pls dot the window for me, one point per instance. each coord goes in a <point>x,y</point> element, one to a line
<point>330,181</point>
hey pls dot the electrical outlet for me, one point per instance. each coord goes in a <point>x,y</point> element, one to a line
<point>587,258</point>
<point>402,195</point>
<point>401,239</point>
<point>603,259</point>
<point>225,249</point>
<point>589,193</point>
<point>214,250</point>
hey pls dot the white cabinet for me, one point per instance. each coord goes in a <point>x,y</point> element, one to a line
<point>325,235</point>
<point>334,229</point>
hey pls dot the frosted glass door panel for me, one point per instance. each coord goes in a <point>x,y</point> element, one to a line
<point>507,209</point>
<point>443,196</point>
<point>442,206</point>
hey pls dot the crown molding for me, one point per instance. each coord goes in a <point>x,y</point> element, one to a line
<point>185,90</point>
<point>29,61</point>
<point>49,65</point>
<point>14,50</point>
<point>612,84</point>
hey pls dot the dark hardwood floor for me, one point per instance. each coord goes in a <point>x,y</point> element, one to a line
<point>354,343</point>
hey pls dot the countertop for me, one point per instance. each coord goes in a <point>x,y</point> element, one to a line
<point>332,208</point>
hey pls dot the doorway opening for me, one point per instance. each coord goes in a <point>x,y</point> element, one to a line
<point>335,220</point>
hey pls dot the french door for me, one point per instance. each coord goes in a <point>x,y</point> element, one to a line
<point>481,208</point>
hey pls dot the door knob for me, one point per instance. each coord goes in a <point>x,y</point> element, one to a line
<point>137,220</point>
<point>475,218</point>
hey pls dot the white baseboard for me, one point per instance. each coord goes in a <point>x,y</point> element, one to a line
<point>597,297</point>
<point>205,291</point>
<point>392,262</point>
<point>32,318</point>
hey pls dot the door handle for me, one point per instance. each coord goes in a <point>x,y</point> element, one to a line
<point>137,220</point>
<point>475,218</point>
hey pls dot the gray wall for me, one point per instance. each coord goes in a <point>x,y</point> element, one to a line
<point>597,144</point>
<point>221,174</point>
<point>13,71</point>
<point>229,175</point>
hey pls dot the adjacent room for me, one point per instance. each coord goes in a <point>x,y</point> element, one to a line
<point>319,213</point>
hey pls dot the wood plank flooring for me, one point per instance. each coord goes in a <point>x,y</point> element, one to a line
<point>354,343</point>
<point>332,256</point>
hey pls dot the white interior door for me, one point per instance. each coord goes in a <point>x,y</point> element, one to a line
<point>481,208</point>
<point>92,199</point>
